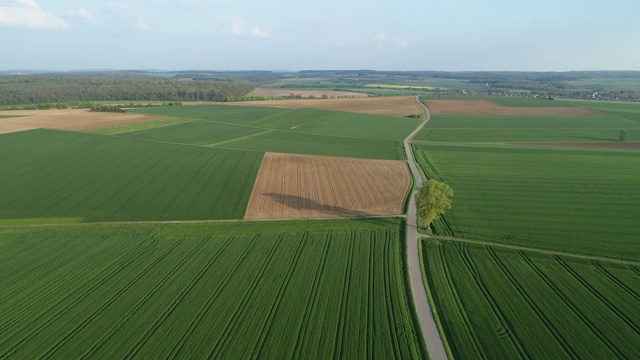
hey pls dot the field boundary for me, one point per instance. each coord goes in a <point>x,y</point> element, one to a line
<point>432,303</point>
<point>533,249</point>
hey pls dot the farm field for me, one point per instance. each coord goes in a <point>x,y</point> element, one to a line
<point>486,107</point>
<point>332,289</point>
<point>195,132</point>
<point>527,128</point>
<point>300,186</point>
<point>310,144</point>
<point>390,106</point>
<point>296,131</point>
<point>50,173</point>
<point>66,119</point>
<point>496,302</point>
<point>549,198</point>
<point>270,92</point>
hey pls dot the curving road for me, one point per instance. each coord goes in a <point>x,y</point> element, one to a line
<point>435,347</point>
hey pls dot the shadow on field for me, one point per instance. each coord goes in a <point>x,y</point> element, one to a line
<point>303,203</point>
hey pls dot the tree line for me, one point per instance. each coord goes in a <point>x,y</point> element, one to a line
<point>41,89</point>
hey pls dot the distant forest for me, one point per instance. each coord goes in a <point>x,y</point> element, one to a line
<point>115,86</point>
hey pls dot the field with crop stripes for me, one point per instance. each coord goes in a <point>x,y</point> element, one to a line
<point>338,123</point>
<point>254,290</point>
<point>293,131</point>
<point>578,200</point>
<point>504,303</point>
<point>49,173</point>
<point>516,128</point>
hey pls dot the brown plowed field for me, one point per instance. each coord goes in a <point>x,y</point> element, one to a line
<point>67,119</point>
<point>484,107</point>
<point>390,106</point>
<point>306,93</point>
<point>302,186</point>
<point>634,145</point>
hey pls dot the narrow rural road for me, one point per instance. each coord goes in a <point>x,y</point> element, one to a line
<point>427,322</point>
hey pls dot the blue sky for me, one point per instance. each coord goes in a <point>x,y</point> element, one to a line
<point>322,34</point>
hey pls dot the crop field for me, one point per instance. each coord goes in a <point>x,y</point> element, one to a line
<point>66,119</point>
<point>577,200</point>
<point>512,101</point>
<point>195,132</point>
<point>527,128</point>
<point>330,289</point>
<point>50,173</point>
<point>268,92</point>
<point>626,111</point>
<point>300,186</point>
<point>390,106</point>
<point>496,302</point>
<point>237,115</point>
<point>338,123</point>
<point>310,144</point>
<point>295,131</point>
<point>391,86</point>
<point>486,107</point>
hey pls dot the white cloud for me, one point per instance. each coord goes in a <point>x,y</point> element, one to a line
<point>400,41</point>
<point>83,15</point>
<point>382,40</point>
<point>239,27</point>
<point>257,32</point>
<point>140,26</point>
<point>28,14</point>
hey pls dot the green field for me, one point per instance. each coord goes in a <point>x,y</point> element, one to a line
<point>578,200</point>
<point>310,144</point>
<point>503,303</point>
<point>195,132</point>
<point>300,131</point>
<point>527,128</point>
<point>511,101</point>
<point>343,124</point>
<point>312,290</point>
<point>239,115</point>
<point>49,173</point>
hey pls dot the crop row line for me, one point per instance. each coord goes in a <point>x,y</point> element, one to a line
<point>204,309</point>
<point>569,351</point>
<point>344,296</point>
<point>110,301</point>
<point>605,301</point>
<point>83,294</point>
<point>574,308</point>
<point>490,299</point>
<point>143,300</point>
<point>242,304</point>
<point>312,300</point>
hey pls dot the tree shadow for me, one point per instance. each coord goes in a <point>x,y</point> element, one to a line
<point>303,203</point>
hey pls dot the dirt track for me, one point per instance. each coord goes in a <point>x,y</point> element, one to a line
<point>484,107</point>
<point>303,186</point>
<point>391,106</point>
<point>67,119</point>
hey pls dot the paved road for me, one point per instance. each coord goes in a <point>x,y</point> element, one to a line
<point>427,323</point>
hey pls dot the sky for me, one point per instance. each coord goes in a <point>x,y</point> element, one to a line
<point>454,35</point>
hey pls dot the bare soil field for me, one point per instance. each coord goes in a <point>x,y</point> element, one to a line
<point>67,119</point>
<point>306,93</point>
<point>485,107</point>
<point>390,106</point>
<point>592,145</point>
<point>303,186</point>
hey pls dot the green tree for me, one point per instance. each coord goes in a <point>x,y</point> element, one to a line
<point>622,136</point>
<point>432,200</point>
